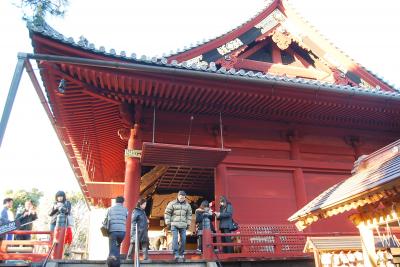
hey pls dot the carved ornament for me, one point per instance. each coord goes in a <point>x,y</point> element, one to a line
<point>282,39</point>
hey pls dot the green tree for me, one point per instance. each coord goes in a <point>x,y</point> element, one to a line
<point>80,227</point>
<point>20,196</point>
<point>37,10</point>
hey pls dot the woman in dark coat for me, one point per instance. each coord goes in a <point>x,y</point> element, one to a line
<point>225,221</point>
<point>139,218</point>
<point>61,205</point>
<point>201,213</point>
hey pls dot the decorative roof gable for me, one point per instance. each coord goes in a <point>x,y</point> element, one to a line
<point>279,42</point>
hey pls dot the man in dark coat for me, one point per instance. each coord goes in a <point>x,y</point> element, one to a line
<point>25,218</point>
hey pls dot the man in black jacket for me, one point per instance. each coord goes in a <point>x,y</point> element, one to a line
<point>25,217</point>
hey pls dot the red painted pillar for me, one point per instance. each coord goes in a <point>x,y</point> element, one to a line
<point>132,180</point>
<point>206,242</point>
<point>220,182</point>
<point>298,176</point>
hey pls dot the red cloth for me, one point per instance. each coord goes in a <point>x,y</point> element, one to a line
<point>68,236</point>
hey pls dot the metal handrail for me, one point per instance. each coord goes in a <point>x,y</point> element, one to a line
<point>48,254</point>
<point>136,262</point>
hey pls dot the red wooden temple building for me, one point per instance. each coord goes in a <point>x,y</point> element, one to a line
<point>269,114</point>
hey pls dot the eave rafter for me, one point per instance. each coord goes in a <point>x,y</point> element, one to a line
<point>174,95</point>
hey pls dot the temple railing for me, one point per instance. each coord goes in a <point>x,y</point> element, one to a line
<point>258,242</point>
<point>34,250</point>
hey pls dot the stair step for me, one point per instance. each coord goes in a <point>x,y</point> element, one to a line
<point>153,263</point>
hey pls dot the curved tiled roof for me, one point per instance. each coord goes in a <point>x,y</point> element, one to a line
<point>267,4</point>
<point>339,49</point>
<point>83,44</point>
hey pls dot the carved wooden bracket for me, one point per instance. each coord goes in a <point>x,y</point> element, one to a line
<point>282,39</point>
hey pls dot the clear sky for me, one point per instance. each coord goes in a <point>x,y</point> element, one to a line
<point>31,155</point>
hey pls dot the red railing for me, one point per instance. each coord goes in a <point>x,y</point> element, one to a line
<point>34,250</point>
<point>257,242</point>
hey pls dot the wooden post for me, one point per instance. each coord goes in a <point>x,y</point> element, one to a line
<point>207,240</point>
<point>298,176</point>
<point>368,245</point>
<point>132,176</point>
<point>220,189</point>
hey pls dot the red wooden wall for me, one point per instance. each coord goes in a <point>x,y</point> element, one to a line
<point>269,176</point>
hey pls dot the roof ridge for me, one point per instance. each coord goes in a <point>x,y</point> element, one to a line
<point>318,32</point>
<point>267,4</point>
<point>49,32</point>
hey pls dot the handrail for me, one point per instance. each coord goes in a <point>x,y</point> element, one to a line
<point>34,257</point>
<point>136,262</point>
<point>287,234</point>
<point>48,254</point>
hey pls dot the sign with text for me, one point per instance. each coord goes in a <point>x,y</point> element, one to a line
<point>9,227</point>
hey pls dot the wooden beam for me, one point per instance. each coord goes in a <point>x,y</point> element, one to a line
<point>280,69</point>
<point>151,177</point>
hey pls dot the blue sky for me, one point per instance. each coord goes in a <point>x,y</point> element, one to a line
<point>31,155</point>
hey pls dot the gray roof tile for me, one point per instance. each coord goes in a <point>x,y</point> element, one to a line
<point>49,32</point>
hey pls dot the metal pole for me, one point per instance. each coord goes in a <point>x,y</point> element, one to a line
<point>12,92</point>
<point>136,262</point>
<point>50,116</point>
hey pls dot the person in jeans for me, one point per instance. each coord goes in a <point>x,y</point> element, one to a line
<point>225,222</point>
<point>7,216</point>
<point>178,216</point>
<point>139,218</point>
<point>201,213</point>
<point>117,216</point>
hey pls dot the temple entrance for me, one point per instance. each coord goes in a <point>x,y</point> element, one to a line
<point>167,169</point>
<point>198,183</point>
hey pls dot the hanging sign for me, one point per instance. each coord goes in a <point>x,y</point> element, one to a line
<point>133,153</point>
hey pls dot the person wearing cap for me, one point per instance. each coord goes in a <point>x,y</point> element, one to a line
<point>178,216</point>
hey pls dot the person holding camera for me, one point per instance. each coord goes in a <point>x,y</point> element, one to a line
<point>225,222</point>
<point>178,216</point>
<point>26,215</point>
<point>60,206</point>
<point>201,213</point>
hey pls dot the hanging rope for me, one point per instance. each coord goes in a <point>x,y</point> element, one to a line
<point>154,122</point>
<point>379,235</point>
<point>190,129</point>
<point>220,130</point>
